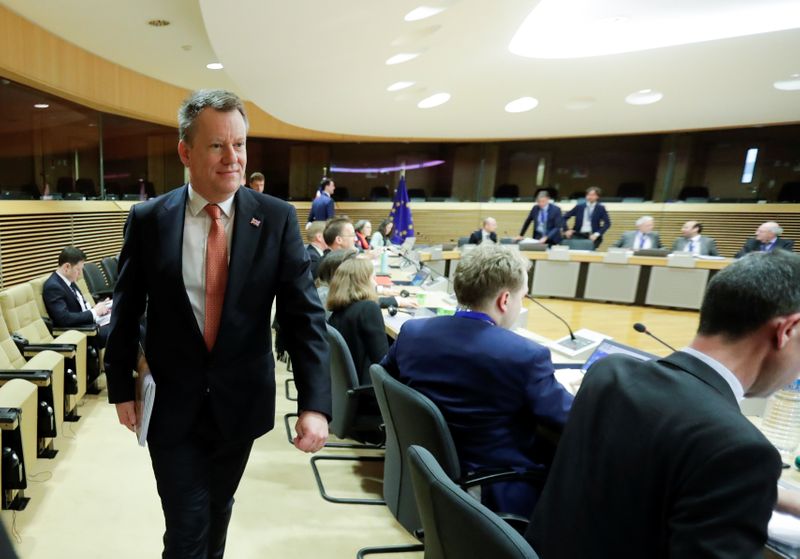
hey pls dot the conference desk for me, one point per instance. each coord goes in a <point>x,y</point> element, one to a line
<point>611,277</point>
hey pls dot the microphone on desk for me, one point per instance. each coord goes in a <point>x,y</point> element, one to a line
<point>575,342</point>
<point>639,327</point>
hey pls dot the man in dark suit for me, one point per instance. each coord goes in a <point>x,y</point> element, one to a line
<point>488,231</point>
<point>64,301</point>
<point>493,387</point>
<point>206,260</point>
<point>546,219</point>
<point>591,218</point>
<point>657,459</point>
<point>767,239</point>
<point>643,238</point>
<point>316,246</point>
<point>323,207</point>
<point>693,242</point>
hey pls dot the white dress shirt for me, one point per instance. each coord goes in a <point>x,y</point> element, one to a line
<point>722,370</point>
<point>695,242</point>
<point>648,242</point>
<point>586,226</point>
<point>196,226</point>
<point>486,236</point>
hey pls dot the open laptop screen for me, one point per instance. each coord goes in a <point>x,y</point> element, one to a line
<point>609,347</point>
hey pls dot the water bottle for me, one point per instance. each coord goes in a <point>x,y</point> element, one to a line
<point>384,263</point>
<point>781,422</point>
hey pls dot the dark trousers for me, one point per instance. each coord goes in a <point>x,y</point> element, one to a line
<point>196,480</point>
<point>597,241</point>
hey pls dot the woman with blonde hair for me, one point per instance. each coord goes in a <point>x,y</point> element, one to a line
<point>355,313</point>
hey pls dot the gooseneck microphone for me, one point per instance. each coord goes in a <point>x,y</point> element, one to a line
<point>575,343</point>
<point>639,327</point>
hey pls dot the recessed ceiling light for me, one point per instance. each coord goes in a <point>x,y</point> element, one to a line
<point>422,12</point>
<point>402,57</point>
<point>41,106</point>
<point>158,22</point>
<point>792,84</point>
<point>214,66</point>
<point>434,101</point>
<point>557,29</point>
<point>644,97</point>
<point>397,86</point>
<point>522,105</point>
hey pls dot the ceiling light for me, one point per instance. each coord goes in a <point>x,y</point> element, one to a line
<point>158,22</point>
<point>792,84</point>
<point>402,57</point>
<point>214,66</point>
<point>644,97</point>
<point>397,86</point>
<point>522,105</point>
<point>41,106</point>
<point>579,28</point>
<point>434,101</point>
<point>422,12</point>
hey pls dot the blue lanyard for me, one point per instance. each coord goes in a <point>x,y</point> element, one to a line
<point>475,315</point>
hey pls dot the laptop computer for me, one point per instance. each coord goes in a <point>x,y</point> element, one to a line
<point>610,347</point>
<point>532,246</point>
<point>651,252</point>
<point>418,279</point>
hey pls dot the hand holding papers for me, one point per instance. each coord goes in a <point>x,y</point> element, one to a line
<point>145,396</point>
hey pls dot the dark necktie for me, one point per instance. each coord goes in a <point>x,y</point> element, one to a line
<point>641,241</point>
<point>78,295</point>
<point>216,274</point>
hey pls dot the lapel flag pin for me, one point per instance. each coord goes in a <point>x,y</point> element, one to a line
<point>255,222</point>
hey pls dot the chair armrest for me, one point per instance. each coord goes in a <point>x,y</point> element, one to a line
<point>67,350</point>
<point>37,377</point>
<point>365,389</point>
<point>519,523</point>
<point>484,477</point>
<point>102,294</point>
<point>89,329</point>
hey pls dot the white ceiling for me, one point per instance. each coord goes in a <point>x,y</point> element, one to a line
<point>320,64</point>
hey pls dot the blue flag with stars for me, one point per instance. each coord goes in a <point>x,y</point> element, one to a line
<point>403,224</point>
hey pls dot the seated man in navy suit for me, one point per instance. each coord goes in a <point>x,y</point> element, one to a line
<point>65,303</point>
<point>546,219</point>
<point>591,218</point>
<point>767,239</point>
<point>488,231</point>
<point>493,386</point>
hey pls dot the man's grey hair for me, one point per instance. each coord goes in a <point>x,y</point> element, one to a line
<point>774,227</point>
<point>487,270</point>
<point>217,99</point>
<point>644,219</point>
<point>488,219</point>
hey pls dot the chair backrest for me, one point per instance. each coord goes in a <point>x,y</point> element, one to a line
<point>94,278</point>
<point>790,192</point>
<point>18,305</point>
<point>379,193</point>
<point>578,244</point>
<point>455,524</point>
<point>693,192</point>
<point>343,378</point>
<point>506,191</point>
<point>38,292</point>
<point>85,291</point>
<point>110,268</point>
<point>392,467</point>
<point>10,356</point>
<point>631,190</point>
<point>415,419</point>
<point>462,241</point>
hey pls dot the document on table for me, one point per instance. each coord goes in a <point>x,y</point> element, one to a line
<point>145,397</point>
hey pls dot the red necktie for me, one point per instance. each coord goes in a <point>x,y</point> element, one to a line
<point>216,274</point>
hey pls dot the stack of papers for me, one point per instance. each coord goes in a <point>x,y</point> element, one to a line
<point>145,397</point>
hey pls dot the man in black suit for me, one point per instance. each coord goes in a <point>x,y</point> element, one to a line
<point>488,231</point>
<point>656,459</point>
<point>767,239</point>
<point>208,332</point>
<point>591,218</point>
<point>64,301</point>
<point>546,219</point>
<point>316,246</point>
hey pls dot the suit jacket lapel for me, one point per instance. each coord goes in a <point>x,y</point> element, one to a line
<point>703,372</point>
<point>170,231</point>
<point>247,223</point>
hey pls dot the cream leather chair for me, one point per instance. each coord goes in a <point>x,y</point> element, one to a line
<point>20,435</point>
<point>46,371</point>
<point>22,317</point>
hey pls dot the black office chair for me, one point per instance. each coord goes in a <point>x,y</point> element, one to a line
<point>506,191</point>
<point>74,196</point>
<point>349,420</point>
<point>379,193</point>
<point>790,192</point>
<point>693,192</point>
<point>454,524</point>
<point>631,190</point>
<point>342,193</point>
<point>463,241</point>
<point>417,194</point>
<point>85,187</point>
<point>410,418</point>
<point>16,195</point>
<point>579,244</point>
<point>110,267</point>
<point>98,285</point>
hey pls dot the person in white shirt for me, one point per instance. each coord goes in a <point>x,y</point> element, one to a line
<point>693,242</point>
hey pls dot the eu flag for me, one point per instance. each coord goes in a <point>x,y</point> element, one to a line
<point>403,224</point>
